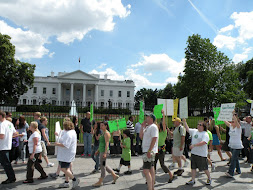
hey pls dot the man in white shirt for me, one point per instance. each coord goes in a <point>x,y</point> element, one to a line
<point>149,134</point>
<point>7,131</point>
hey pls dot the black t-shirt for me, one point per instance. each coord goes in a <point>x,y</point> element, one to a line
<point>96,142</point>
<point>86,125</point>
<point>40,127</point>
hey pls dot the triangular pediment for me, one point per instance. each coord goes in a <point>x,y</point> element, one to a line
<point>78,75</point>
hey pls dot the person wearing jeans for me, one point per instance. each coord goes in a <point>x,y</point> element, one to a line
<point>87,131</point>
<point>235,144</point>
<point>97,134</point>
<point>7,130</point>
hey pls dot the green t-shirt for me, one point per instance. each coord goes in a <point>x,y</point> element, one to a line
<point>126,152</point>
<point>210,136</point>
<point>177,136</point>
<point>251,135</point>
<point>101,147</point>
<point>162,138</point>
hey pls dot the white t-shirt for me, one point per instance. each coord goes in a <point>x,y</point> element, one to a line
<point>30,143</point>
<point>197,137</point>
<point>68,152</point>
<point>8,130</point>
<point>235,141</point>
<point>148,133</point>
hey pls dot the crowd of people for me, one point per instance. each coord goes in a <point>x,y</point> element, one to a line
<point>151,139</point>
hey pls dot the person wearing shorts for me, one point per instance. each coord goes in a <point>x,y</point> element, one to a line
<point>149,134</point>
<point>199,151</point>
<point>178,145</point>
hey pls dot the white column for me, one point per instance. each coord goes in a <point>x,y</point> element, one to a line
<point>59,93</point>
<point>84,94</point>
<point>96,94</point>
<point>71,92</point>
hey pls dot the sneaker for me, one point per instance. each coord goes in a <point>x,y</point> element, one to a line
<point>75,183</point>
<point>64,185</point>
<point>94,171</point>
<point>115,179</point>
<point>171,166</point>
<point>89,155</point>
<point>237,173</point>
<point>213,168</point>
<point>53,175</point>
<point>191,182</point>
<point>116,170</point>
<point>180,172</point>
<point>50,165</point>
<point>9,181</point>
<point>208,181</point>
<point>228,174</point>
<point>186,164</point>
<point>82,154</point>
<point>128,172</point>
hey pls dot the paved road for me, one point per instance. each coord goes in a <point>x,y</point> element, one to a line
<point>83,166</point>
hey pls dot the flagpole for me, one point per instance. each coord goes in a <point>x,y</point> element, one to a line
<point>79,63</point>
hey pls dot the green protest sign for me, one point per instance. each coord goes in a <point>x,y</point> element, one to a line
<point>216,112</point>
<point>91,112</point>
<point>117,124</point>
<point>158,111</point>
<point>141,117</point>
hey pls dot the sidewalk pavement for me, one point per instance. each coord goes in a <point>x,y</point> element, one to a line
<point>82,167</point>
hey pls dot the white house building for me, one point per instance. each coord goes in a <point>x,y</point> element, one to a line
<point>81,87</point>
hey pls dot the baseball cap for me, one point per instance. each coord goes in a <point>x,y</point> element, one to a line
<point>177,119</point>
<point>151,115</point>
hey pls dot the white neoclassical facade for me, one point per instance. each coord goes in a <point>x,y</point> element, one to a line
<point>81,87</point>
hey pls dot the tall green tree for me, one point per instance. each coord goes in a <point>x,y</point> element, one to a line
<point>16,77</point>
<point>168,92</point>
<point>208,79</point>
<point>246,76</point>
<point>148,95</point>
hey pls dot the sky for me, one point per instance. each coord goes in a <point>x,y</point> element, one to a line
<point>139,40</point>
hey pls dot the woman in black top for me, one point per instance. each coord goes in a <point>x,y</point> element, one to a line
<point>225,145</point>
<point>96,135</point>
<point>75,121</point>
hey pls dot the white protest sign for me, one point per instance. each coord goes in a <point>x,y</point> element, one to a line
<point>251,109</point>
<point>57,130</point>
<point>183,107</point>
<point>226,112</point>
<point>168,106</point>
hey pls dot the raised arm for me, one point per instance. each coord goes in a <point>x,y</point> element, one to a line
<point>186,125</point>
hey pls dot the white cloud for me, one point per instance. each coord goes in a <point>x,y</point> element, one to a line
<point>51,54</point>
<point>225,41</point>
<point>243,56</point>
<point>160,62</point>
<point>172,80</point>
<point>102,65</point>
<point>66,19</point>
<point>27,43</point>
<point>226,28</point>
<point>111,74</point>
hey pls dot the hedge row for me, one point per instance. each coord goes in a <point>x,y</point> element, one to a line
<point>66,109</point>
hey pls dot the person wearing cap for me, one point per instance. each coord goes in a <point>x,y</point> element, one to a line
<point>178,144</point>
<point>149,134</point>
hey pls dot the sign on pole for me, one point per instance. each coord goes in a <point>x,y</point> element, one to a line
<point>183,107</point>
<point>91,112</point>
<point>216,112</point>
<point>175,109</point>
<point>117,124</point>
<point>141,117</point>
<point>57,138</point>
<point>168,106</point>
<point>158,111</point>
<point>226,112</point>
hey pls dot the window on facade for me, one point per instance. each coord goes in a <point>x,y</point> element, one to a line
<point>78,92</point>
<point>54,91</point>
<point>34,102</point>
<point>67,103</point>
<point>127,105</point>
<point>102,92</point>
<point>89,92</point>
<point>53,102</point>
<point>119,105</point>
<point>111,93</point>
<point>24,101</point>
<point>44,90</point>
<point>44,102</point>
<point>119,94</point>
<point>67,92</point>
<point>34,90</point>
<point>102,104</point>
<point>128,93</point>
